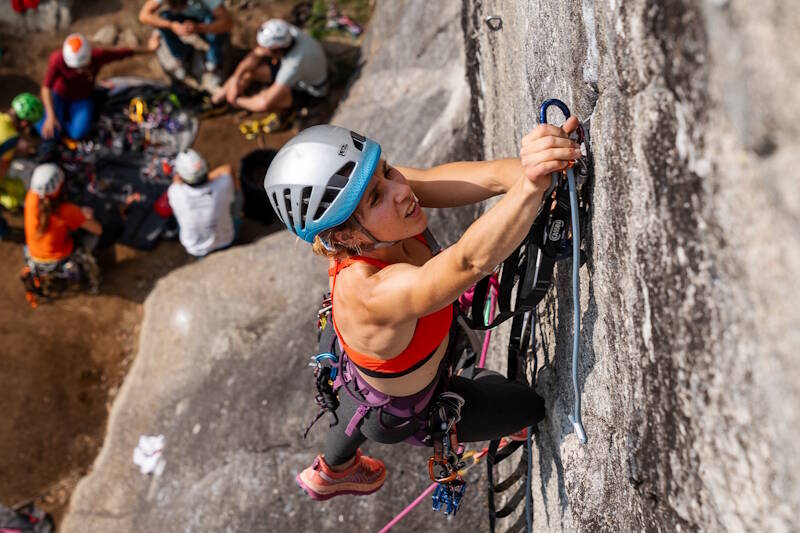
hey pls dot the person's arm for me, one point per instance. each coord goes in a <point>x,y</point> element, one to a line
<point>462,183</point>
<point>402,292</point>
<point>50,122</point>
<point>222,23</point>
<point>248,64</point>
<point>266,99</point>
<point>148,16</point>
<point>87,223</point>
<point>219,171</point>
<point>92,226</point>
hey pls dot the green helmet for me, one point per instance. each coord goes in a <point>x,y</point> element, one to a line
<point>27,107</point>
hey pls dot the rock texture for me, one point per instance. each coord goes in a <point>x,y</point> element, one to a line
<point>691,397</point>
<point>689,330</point>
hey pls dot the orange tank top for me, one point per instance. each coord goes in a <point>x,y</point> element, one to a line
<point>429,333</point>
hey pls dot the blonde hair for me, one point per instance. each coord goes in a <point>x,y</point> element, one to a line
<point>325,245</point>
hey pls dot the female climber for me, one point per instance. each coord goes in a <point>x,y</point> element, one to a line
<point>392,297</point>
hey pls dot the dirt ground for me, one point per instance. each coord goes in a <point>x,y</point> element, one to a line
<point>62,364</point>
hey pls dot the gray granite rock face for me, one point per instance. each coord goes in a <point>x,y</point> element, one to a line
<point>689,332</point>
<point>50,15</point>
<point>688,296</point>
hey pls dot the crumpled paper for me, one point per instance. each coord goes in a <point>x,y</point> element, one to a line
<point>148,454</point>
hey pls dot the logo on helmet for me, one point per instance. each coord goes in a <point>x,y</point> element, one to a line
<point>343,150</point>
<point>75,43</point>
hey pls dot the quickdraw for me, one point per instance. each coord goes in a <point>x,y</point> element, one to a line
<point>554,236</point>
<point>447,462</point>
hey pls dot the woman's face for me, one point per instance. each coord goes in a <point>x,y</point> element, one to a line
<point>389,210</point>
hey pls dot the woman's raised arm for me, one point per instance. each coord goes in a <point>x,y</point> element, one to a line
<point>462,183</point>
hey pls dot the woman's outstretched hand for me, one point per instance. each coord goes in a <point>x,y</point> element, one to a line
<point>548,149</point>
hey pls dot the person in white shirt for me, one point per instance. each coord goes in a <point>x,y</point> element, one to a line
<point>204,203</point>
<point>290,63</point>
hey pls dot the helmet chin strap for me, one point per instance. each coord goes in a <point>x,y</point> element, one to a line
<point>376,244</point>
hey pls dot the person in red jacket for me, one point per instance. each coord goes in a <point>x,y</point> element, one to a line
<point>68,85</point>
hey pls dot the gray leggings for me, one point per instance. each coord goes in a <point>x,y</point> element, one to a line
<point>493,407</point>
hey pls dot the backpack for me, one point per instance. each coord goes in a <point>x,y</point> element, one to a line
<point>25,518</point>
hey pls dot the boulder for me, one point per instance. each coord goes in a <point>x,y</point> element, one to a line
<point>106,35</point>
<point>128,39</point>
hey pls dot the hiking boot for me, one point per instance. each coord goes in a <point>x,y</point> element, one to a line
<point>365,476</point>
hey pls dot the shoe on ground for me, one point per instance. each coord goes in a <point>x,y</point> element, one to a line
<point>365,476</point>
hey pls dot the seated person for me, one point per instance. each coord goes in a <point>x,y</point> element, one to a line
<point>26,109</point>
<point>206,19</point>
<point>50,222</point>
<point>205,204</point>
<point>68,86</point>
<point>291,64</point>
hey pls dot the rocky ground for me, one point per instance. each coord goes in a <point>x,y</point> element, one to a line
<point>67,359</point>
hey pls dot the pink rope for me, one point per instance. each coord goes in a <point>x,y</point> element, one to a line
<point>407,510</point>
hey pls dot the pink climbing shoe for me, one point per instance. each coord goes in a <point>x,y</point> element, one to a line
<point>364,476</point>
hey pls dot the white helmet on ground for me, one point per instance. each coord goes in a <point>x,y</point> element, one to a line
<point>46,179</point>
<point>191,167</point>
<point>274,33</point>
<point>77,51</point>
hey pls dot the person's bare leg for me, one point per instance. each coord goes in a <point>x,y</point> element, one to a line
<point>270,99</point>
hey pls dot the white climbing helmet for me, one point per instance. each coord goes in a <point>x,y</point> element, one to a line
<point>77,51</point>
<point>46,179</point>
<point>191,167</point>
<point>274,33</point>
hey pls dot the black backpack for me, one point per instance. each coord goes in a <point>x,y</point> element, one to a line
<point>25,518</point>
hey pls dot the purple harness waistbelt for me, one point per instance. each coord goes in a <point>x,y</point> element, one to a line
<point>409,407</point>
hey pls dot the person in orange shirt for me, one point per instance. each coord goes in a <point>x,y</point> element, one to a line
<point>50,222</point>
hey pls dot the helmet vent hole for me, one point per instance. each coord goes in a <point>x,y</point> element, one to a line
<point>358,140</point>
<point>345,172</point>
<point>305,199</point>
<point>274,199</point>
<point>287,202</point>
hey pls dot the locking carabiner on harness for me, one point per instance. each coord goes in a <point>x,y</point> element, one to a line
<point>446,463</point>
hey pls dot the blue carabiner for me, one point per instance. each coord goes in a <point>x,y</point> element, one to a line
<point>564,109</point>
